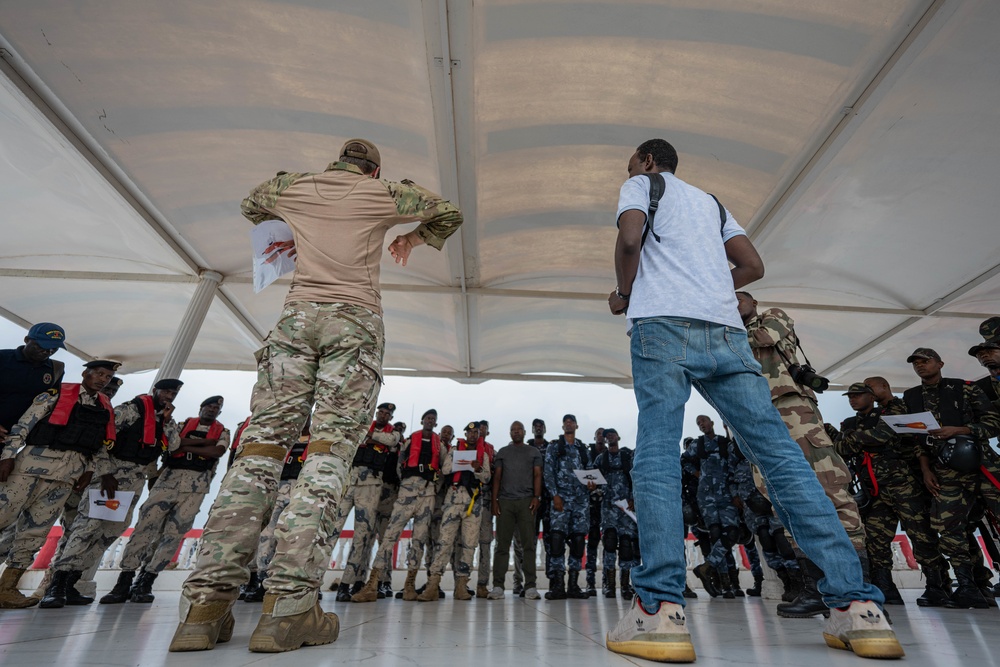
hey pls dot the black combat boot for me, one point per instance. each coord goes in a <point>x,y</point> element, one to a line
<point>788,582</point>
<point>967,595</point>
<point>343,593</point>
<point>984,581</point>
<point>934,594</point>
<point>688,593</point>
<point>709,578</point>
<point>758,581</point>
<point>557,588</point>
<point>626,584</point>
<point>882,578</point>
<point>55,594</point>
<point>119,593</point>
<point>384,590</point>
<point>608,583</point>
<point>726,585</point>
<point>591,584</point>
<point>809,602</point>
<point>75,598</point>
<point>255,588</point>
<point>142,589</point>
<point>573,590</point>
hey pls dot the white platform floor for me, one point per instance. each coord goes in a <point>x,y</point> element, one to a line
<point>481,632</point>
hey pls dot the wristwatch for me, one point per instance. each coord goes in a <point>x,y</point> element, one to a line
<point>623,297</point>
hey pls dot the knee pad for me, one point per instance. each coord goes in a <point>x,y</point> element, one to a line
<point>690,515</point>
<point>730,536</point>
<point>558,544</point>
<point>611,540</point>
<point>759,504</point>
<point>577,545</point>
<point>714,533</point>
<point>627,550</point>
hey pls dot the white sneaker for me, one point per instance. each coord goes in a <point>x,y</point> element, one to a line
<point>862,628</point>
<point>532,594</point>
<point>662,636</point>
<point>495,594</point>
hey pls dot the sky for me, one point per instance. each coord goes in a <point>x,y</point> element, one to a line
<point>499,402</point>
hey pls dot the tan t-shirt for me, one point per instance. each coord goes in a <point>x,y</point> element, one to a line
<point>339,219</point>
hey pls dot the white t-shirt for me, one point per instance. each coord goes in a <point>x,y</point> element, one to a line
<point>685,274</point>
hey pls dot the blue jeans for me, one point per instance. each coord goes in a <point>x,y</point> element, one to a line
<point>669,355</point>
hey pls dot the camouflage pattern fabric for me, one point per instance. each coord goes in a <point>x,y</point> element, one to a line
<point>90,538</point>
<point>390,492</point>
<point>459,532</point>
<point>715,500</point>
<point>268,540</point>
<point>560,480</point>
<point>323,358</point>
<point>40,408</point>
<point>434,534</point>
<point>612,516</point>
<point>31,506</point>
<point>165,517</point>
<point>363,495</point>
<point>742,485</point>
<point>415,501</point>
<point>485,502</point>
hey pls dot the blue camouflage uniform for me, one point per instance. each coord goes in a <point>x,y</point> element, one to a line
<point>742,485</point>
<point>572,524</point>
<point>621,535</point>
<point>714,499</point>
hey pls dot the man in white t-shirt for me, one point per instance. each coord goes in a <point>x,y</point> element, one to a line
<point>676,287</point>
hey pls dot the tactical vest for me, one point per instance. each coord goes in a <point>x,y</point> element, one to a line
<point>294,460</point>
<point>467,478</point>
<point>624,464</point>
<point>423,461</point>
<point>390,474</point>
<point>131,444</point>
<point>188,461</point>
<point>85,431</point>
<point>951,401</point>
<point>723,441</point>
<point>581,448</point>
<point>989,387</point>
<point>372,456</point>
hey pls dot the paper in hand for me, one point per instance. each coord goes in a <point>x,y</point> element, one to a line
<point>586,476</point>
<point>623,506</point>
<point>115,509</point>
<point>271,240</point>
<point>920,422</point>
<point>463,461</point>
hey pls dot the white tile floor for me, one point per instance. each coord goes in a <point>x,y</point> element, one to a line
<point>479,633</point>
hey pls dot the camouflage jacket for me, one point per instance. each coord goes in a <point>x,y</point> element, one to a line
<point>49,463</point>
<point>558,472</point>
<point>890,452</point>
<point>768,332</point>
<point>978,414</point>
<point>127,414</point>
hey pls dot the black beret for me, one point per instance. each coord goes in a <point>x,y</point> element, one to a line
<point>168,384</point>
<point>212,400</point>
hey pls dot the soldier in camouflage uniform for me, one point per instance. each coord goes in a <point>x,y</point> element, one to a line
<point>386,501</point>
<point>460,523</point>
<point>774,342</point>
<point>963,411</point>
<point>570,509</point>
<point>63,433</point>
<point>324,357</point>
<point>596,503</point>
<point>420,458</point>
<point>363,495</point>
<point>890,475</point>
<point>715,501</point>
<point>447,437</point>
<point>145,430</point>
<point>172,505</point>
<point>987,354</point>
<point>485,500</point>
<point>619,532</point>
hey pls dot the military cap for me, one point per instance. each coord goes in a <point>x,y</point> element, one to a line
<point>212,400</point>
<point>569,416</point>
<point>49,336</point>
<point>538,420</point>
<point>858,388</point>
<point>115,382</point>
<point>391,407</point>
<point>361,149</point>
<point>471,426</point>
<point>990,331</point>
<point>432,411</point>
<point>109,364</point>
<point>923,353</point>
<point>169,384</point>
<point>610,430</point>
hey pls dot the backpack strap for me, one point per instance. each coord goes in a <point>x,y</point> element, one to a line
<point>656,187</point>
<point>722,212</point>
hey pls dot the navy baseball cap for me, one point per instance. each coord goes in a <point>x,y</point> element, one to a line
<point>48,335</point>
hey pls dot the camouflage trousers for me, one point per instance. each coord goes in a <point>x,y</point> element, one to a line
<point>434,534</point>
<point>390,492</point>
<point>573,520</point>
<point>268,541</point>
<point>951,508</point>
<point>29,507</point>
<point>801,416</point>
<point>485,503</point>
<point>363,496</point>
<point>90,538</point>
<point>613,518</point>
<point>459,532</point>
<point>320,358</point>
<point>415,501</point>
<point>164,518</point>
<point>754,522</point>
<point>902,499</point>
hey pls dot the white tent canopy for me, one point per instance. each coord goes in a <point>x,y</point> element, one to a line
<point>855,140</point>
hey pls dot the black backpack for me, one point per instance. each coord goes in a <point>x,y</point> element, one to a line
<point>656,187</point>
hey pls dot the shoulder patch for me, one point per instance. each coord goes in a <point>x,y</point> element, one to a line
<point>41,398</point>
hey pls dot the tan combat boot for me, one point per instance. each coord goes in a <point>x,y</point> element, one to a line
<point>482,591</point>
<point>410,587</point>
<point>276,634</point>
<point>430,593</point>
<point>10,596</point>
<point>462,588</point>
<point>370,592</point>
<point>205,625</point>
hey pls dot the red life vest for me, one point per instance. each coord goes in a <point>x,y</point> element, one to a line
<point>463,446</point>
<point>149,421</point>
<point>69,394</point>
<point>191,425</point>
<point>489,448</point>
<point>416,446</point>
<point>239,434</point>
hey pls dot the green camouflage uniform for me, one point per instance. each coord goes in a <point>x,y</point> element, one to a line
<point>460,527</point>
<point>32,498</point>
<point>323,358</point>
<point>774,329</point>
<point>90,538</point>
<point>950,509</point>
<point>167,515</point>
<point>898,494</point>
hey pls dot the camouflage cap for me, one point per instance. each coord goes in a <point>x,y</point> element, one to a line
<point>990,331</point>
<point>988,344</point>
<point>858,388</point>
<point>923,353</point>
<point>361,149</point>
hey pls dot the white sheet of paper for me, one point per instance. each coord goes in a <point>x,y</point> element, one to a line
<point>462,461</point>
<point>921,422</point>
<point>594,476</point>
<point>269,266</point>
<point>623,506</point>
<point>98,508</point>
